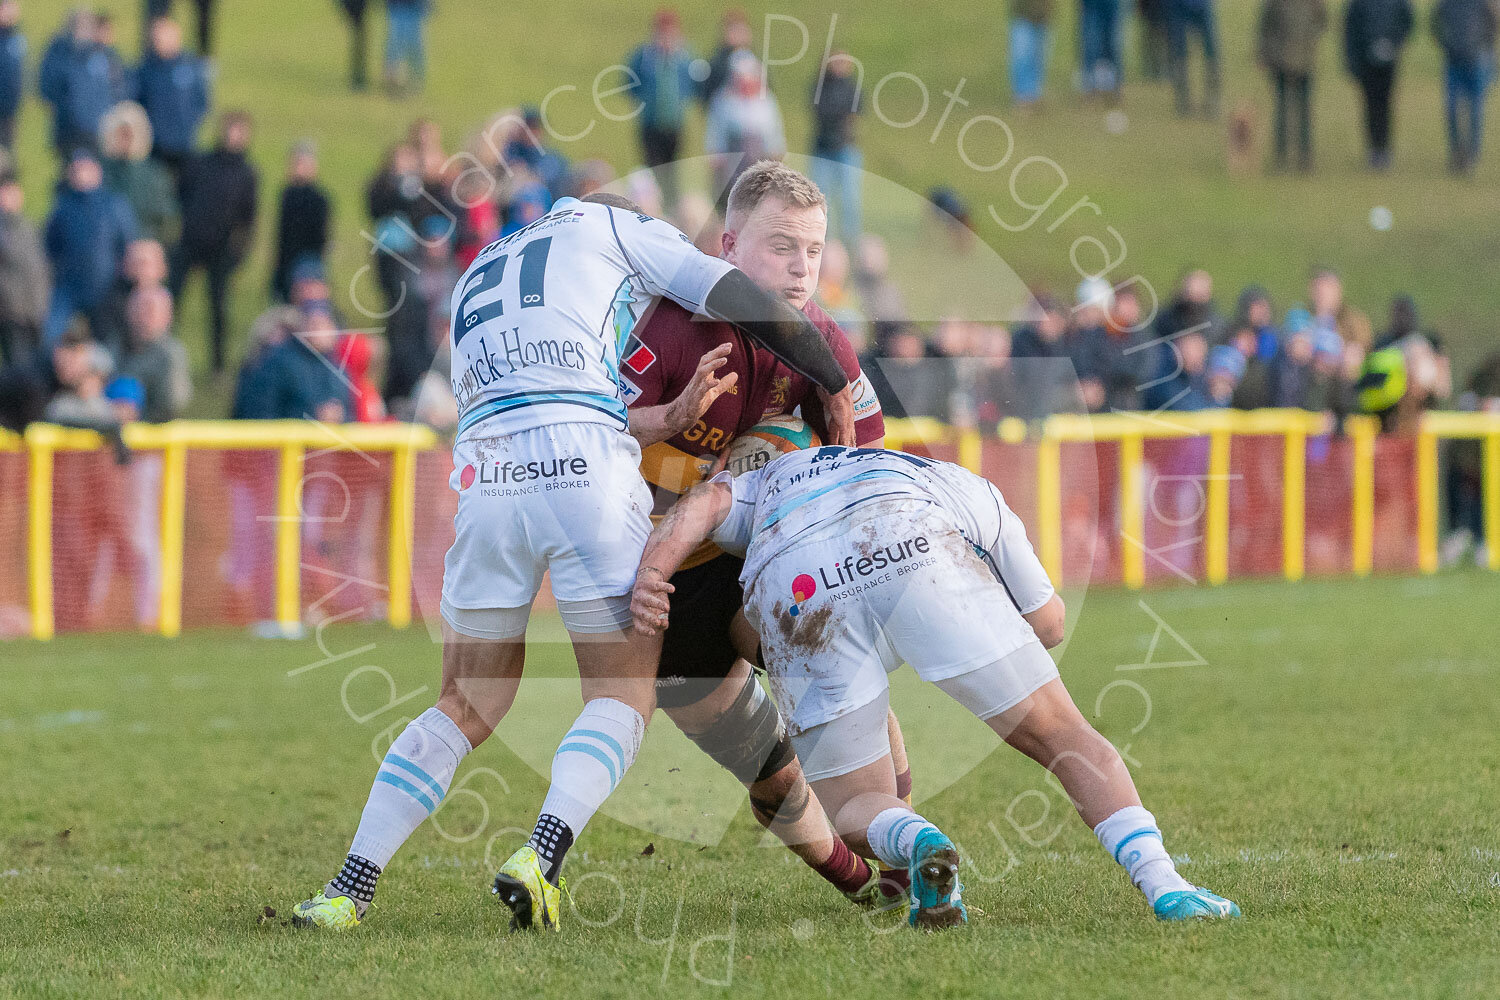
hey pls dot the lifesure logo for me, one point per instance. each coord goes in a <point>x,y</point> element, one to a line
<point>868,568</point>
<point>506,479</point>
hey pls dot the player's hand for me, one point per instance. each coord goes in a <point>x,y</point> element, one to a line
<point>648,600</point>
<point>838,413</point>
<point>704,388</point>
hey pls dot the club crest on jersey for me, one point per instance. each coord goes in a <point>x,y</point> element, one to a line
<point>781,391</point>
<point>803,588</point>
<point>638,357</point>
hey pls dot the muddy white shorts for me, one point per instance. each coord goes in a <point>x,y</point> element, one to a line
<point>564,498</point>
<point>888,582</point>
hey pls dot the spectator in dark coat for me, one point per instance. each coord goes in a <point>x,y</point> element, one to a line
<point>1465,31</point>
<point>1039,353</point>
<point>301,221</point>
<point>359,45</point>
<point>1194,17</point>
<point>27,386</point>
<point>1099,45</point>
<point>12,70</point>
<point>25,278</point>
<point>660,80</point>
<point>125,135</point>
<point>735,37</point>
<point>145,267</point>
<point>1287,47</point>
<point>837,167</point>
<point>172,85</point>
<point>1184,384</point>
<point>87,233</point>
<point>82,77</point>
<point>1374,33</point>
<point>1108,371</point>
<point>218,221</point>
<point>1294,383</point>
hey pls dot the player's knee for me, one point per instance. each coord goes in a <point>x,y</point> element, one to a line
<point>782,798</point>
<point>475,720</point>
<point>749,739</point>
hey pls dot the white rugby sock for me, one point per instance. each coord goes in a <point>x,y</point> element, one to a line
<point>588,766</point>
<point>893,835</point>
<point>1132,838</point>
<point>410,784</point>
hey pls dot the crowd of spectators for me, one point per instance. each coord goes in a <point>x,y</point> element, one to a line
<point>1288,40</point>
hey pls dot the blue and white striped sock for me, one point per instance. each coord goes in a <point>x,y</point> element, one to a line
<point>1132,838</point>
<point>409,786</point>
<point>588,766</point>
<point>893,835</point>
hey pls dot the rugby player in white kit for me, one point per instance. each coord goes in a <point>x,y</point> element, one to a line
<point>859,559</point>
<point>548,481</point>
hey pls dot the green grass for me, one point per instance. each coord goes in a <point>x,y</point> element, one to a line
<point>1162,184</point>
<point>1331,764</point>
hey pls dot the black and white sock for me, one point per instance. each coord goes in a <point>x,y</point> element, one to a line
<point>357,881</point>
<point>551,840</point>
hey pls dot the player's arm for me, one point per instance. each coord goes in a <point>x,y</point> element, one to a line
<point>669,264</point>
<point>650,424</point>
<point>686,526</point>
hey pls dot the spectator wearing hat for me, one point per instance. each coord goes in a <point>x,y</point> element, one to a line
<point>1226,367</point>
<point>1287,47</point>
<point>25,277</point>
<point>660,78</point>
<point>1252,389</point>
<point>420,322</point>
<point>1375,31</point>
<point>1292,385</point>
<point>528,145</point>
<point>1465,31</point>
<point>837,162</point>
<point>144,183</point>
<point>172,85</point>
<point>1030,37</point>
<point>301,220</point>
<point>1108,370</point>
<point>86,236</point>
<point>218,222</point>
<point>743,125</point>
<point>12,70</point>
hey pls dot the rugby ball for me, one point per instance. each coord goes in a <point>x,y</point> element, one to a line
<point>767,440</point>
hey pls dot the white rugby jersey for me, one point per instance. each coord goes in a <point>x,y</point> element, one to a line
<point>541,318</point>
<point>783,500</point>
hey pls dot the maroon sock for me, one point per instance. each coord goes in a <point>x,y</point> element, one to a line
<point>894,882</point>
<point>846,870</point>
<point>903,786</point>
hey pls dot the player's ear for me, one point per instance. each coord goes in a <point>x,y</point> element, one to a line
<point>726,244</point>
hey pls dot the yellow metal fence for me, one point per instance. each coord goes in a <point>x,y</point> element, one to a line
<point>294,440</point>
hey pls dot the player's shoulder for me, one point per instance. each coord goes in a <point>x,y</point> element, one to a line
<point>825,323</point>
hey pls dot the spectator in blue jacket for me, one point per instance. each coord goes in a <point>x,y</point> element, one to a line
<point>82,77</point>
<point>301,376</point>
<point>87,233</point>
<point>172,85</point>
<point>662,81</point>
<point>12,70</point>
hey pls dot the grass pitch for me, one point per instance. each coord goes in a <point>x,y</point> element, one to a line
<point>1323,753</point>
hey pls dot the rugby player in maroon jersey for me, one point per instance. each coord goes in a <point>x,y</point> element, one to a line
<point>692,385</point>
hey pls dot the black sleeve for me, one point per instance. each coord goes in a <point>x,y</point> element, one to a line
<point>771,322</point>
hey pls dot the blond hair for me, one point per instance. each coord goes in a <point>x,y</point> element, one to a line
<point>773,179</point>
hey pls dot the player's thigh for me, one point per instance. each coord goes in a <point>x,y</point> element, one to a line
<point>590,519</point>
<point>492,563</point>
<point>1020,686</point>
<point>849,757</point>
<point>943,611</point>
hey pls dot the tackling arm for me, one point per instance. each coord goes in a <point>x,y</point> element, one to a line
<point>774,324</point>
<point>686,526</point>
